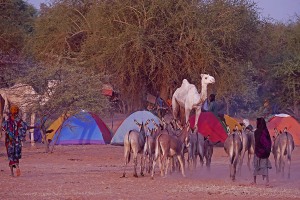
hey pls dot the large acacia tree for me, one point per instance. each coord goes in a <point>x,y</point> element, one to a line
<point>150,46</point>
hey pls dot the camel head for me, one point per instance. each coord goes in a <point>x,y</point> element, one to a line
<point>207,79</point>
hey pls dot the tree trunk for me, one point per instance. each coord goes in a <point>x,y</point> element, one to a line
<point>227,105</point>
<point>44,135</point>
<point>295,102</point>
<point>164,90</point>
<point>1,113</point>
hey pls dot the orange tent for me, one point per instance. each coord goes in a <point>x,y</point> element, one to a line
<point>283,120</point>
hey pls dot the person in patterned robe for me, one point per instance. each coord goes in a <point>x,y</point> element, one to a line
<point>14,129</point>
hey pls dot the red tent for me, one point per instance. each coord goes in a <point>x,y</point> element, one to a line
<point>281,121</point>
<point>209,124</point>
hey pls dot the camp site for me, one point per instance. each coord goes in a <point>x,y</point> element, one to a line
<point>144,99</point>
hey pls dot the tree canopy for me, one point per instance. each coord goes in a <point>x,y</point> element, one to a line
<point>143,46</point>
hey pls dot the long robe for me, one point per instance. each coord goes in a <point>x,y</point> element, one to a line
<point>263,144</point>
<point>15,131</point>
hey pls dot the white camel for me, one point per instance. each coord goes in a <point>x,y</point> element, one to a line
<point>26,98</point>
<point>186,98</point>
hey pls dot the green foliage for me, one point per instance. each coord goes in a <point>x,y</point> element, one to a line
<point>76,89</point>
<point>16,20</point>
<point>16,24</point>
<point>142,46</point>
<point>286,73</point>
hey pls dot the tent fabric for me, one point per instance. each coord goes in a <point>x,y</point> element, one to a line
<point>128,124</point>
<point>107,90</point>
<point>280,123</point>
<point>282,115</point>
<point>55,126</point>
<point>82,128</point>
<point>231,122</point>
<point>209,124</point>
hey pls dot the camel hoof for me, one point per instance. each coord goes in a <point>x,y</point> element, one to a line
<point>152,178</point>
<point>135,175</point>
<point>142,174</point>
<point>123,176</point>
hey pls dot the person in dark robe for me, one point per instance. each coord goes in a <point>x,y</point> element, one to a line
<point>262,150</point>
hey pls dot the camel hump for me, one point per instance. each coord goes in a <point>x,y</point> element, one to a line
<point>185,82</point>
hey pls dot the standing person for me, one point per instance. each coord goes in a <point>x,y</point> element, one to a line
<point>160,106</point>
<point>212,106</point>
<point>14,129</point>
<point>262,151</point>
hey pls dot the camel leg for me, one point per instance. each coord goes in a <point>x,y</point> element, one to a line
<point>241,162</point>
<point>163,165</point>
<point>153,167</point>
<point>142,165</point>
<point>187,115</point>
<point>289,169</point>
<point>135,164</point>
<point>198,112</point>
<point>280,159</point>
<point>283,158</point>
<point>201,160</point>
<point>148,167</point>
<point>277,163</point>
<point>179,157</point>
<point>167,165</point>
<point>249,159</point>
<point>127,158</point>
<point>233,171</point>
<point>175,107</point>
<point>157,157</point>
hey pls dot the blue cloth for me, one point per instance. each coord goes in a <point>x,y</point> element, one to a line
<point>159,102</point>
<point>15,132</point>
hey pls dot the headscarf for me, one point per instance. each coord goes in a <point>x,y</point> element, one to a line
<point>14,109</point>
<point>263,141</point>
<point>212,97</point>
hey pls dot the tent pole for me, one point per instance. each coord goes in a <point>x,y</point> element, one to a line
<point>112,120</point>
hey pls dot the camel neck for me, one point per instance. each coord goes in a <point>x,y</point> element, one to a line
<point>203,94</point>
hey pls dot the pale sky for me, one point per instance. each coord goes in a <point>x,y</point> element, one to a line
<point>280,10</point>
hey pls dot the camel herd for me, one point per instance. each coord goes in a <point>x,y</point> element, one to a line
<point>169,141</point>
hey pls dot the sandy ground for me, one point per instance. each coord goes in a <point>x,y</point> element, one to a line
<point>94,171</point>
